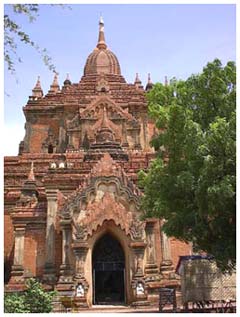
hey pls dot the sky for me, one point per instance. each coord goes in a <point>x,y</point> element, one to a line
<point>173,40</point>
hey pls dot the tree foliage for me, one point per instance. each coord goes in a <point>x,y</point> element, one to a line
<point>14,34</point>
<point>33,300</point>
<point>192,182</point>
<point>14,303</point>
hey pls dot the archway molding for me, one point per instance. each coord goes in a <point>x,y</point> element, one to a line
<point>110,227</point>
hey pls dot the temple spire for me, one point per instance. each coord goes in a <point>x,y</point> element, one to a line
<point>104,133</point>
<point>29,193</point>
<point>55,80</point>
<point>31,176</point>
<point>54,88</point>
<point>101,38</point>
<point>149,78</point>
<point>166,81</point>
<point>138,83</point>
<point>104,119</point>
<point>149,85</point>
<point>67,81</point>
<point>37,90</point>
<point>137,80</point>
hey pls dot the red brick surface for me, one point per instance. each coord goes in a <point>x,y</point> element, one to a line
<point>179,248</point>
<point>61,119</point>
<point>8,236</point>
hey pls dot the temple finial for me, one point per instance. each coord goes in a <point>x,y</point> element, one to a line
<point>138,83</point>
<point>149,85</point>
<point>37,90</point>
<point>38,84</point>
<point>137,80</point>
<point>149,78</point>
<point>31,176</point>
<point>54,88</point>
<point>166,81</point>
<point>55,80</point>
<point>67,81</point>
<point>101,38</point>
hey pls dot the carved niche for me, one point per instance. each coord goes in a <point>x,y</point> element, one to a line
<point>50,143</point>
<point>102,85</point>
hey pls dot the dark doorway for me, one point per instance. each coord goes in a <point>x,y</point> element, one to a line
<point>108,272</point>
<point>50,149</point>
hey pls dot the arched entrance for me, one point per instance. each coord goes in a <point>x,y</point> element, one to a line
<point>108,271</point>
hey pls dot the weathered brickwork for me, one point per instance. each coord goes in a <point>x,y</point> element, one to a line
<point>75,182</point>
<point>8,236</point>
<point>179,249</point>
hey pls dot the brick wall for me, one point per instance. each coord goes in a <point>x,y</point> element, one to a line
<point>8,247</point>
<point>38,135</point>
<point>158,243</point>
<point>8,236</point>
<point>179,248</point>
<point>58,246</point>
<point>34,251</point>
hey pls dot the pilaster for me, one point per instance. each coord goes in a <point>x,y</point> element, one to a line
<point>166,267</point>
<point>17,273</point>
<point>66,271</point>
<point>151,267</point>
<point>49,272</point>
<point>140,290</point>
<point>81,285</point>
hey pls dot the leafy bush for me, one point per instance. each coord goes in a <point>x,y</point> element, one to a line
<point>33,300</point>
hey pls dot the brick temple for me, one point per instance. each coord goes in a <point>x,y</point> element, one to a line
<point>72,214</point>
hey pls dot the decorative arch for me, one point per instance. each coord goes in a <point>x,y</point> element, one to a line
<point>110,228</point>
<point>108,269</point>
<point>105,199</point>
<point>109,197</point>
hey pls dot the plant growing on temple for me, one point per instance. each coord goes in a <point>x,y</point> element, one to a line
<point>192,181</point>
<point>33,300</point>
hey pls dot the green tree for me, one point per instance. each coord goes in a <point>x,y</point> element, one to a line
<point>33,300</point>
<point>192,181</point>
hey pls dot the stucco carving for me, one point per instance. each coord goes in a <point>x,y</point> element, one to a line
<point>27,201</point>
<point>137,229</point>
<point>80,232</point>
<point>51,140</point>
<point>95,108</point>
<point>74,122</point>
<point>102,85</point>
<point>107,197</point>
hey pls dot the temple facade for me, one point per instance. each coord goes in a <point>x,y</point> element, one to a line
<point>72,213</point>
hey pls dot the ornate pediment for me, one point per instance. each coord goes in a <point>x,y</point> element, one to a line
<point>106,195</point>
<point>83,128</point>
<point>105,207</point>
<point>114,112</point>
